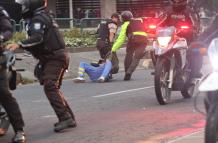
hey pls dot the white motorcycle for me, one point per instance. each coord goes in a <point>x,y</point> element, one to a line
<point>209,85</point>
<point>172,70</point>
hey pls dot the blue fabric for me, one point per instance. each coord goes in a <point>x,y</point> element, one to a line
<point>95,72</point>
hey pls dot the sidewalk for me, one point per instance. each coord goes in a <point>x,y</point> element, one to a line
<point>197,137</point>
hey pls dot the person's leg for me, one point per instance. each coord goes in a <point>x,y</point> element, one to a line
<point>105,72</point>
<point>11,107</point>
<point>128,57</point>
<point>52,76</point>
<point>107,69</point>
<point>92,71</point>
<point>139,53</point>
<point>195,60</point>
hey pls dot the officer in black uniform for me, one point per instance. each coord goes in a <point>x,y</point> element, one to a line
<point>179,15</point>
<point>106,34</point>
<point>8,102</point>
<point>47,45</point>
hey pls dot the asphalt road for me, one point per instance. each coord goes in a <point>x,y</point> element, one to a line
<point>114,112</point>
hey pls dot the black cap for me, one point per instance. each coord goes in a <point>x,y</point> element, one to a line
<point>116,15</point>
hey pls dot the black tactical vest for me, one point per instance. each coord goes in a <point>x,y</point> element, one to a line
<point>103,30</point>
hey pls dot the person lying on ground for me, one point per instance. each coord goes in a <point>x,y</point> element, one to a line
<point>97,72</point>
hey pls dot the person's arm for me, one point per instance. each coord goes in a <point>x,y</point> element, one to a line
<point>36,35</point>
<point>121,38</point>
<point>112,31</point>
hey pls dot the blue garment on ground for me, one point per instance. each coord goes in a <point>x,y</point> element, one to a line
<point>95,72</point>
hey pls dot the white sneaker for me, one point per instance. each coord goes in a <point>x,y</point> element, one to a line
<point>79,80</point>
<point>101,79</point>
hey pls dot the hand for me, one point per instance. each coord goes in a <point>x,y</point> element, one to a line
<point>12,47</point>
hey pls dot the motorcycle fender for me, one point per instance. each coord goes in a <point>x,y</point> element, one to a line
<point>210,83</point>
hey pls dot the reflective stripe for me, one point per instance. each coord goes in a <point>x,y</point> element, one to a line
<point>81,69</point>
<point>80,73</point>
<point>140,33</point>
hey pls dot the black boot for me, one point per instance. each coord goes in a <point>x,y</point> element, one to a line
<point>127,77</point>
<point>19,137</point>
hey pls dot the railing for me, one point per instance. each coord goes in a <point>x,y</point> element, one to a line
<point>65,23</point>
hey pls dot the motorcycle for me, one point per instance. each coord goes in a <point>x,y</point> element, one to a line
<point>209,85</point>
<point>7,61</point>
<point>172,70</point>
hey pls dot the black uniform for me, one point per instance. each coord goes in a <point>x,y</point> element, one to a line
<point>103,42</point>
<point>9,103</point>
<point>46,44</point>
<point>136,45</point>
<point>178,18</point>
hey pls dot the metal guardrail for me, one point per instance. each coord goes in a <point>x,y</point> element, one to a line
<point>65,23</point>
<point>90,23</point>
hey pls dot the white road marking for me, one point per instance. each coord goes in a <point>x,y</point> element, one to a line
<point>124,91</point>
<point>48,116</point>
<point>181,138</point>
<point>40,101</point>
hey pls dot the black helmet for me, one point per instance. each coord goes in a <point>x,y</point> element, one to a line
<point>126,15</point>
<point>30,6</point>
<point>116,15</point>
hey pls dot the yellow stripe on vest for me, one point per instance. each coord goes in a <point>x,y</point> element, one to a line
<point>140,33</point>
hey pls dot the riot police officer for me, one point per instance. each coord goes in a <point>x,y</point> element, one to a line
<point>137,42</point>
<point>46,44</point>
<point>181,14</point>
<point>8,102</point>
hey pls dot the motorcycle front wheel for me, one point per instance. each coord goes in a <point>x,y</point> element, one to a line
<point>161,81</point>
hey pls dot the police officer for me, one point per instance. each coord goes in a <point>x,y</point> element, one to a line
<point>181,14</point>
<point>9,103</point>
<point>47,45</point>
<point>137,41</point>
<point>106,34</point>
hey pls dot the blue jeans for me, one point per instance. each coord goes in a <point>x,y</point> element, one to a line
<point>95,72</point>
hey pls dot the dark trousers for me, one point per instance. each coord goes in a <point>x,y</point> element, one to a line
<point>52,75</point>
<point>9,103</point>
<point>103,47</point>
<point>134,53</point>
<point>195,60</point>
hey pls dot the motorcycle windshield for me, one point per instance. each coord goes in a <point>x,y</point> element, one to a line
<point>165,32</point>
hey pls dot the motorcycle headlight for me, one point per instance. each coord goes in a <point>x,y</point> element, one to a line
<point>164,41</point>
<point>213,53</point>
